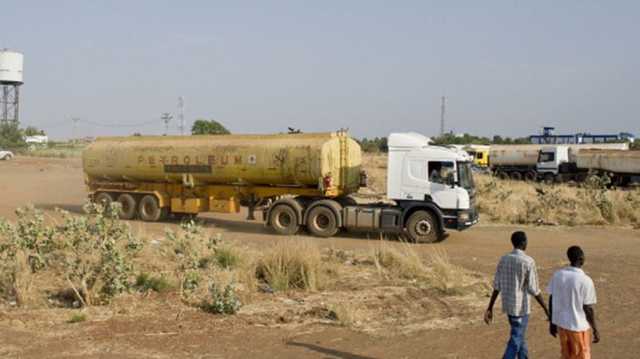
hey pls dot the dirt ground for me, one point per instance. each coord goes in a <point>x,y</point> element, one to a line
<point>165,329</point>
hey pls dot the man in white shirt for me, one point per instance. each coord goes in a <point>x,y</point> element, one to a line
<point>571,300</point>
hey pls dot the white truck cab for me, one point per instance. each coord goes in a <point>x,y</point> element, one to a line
<point>421,174</point>
<point>550,161</point>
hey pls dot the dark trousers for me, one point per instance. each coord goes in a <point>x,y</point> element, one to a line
<point>517,345</point>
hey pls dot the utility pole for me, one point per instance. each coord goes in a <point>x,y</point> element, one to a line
<point>166,117</point>
<point>442,109</point>
<point>181,114</point>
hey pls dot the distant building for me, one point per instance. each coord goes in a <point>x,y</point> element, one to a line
<point>548,138</point>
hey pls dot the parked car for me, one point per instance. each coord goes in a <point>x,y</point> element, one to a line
<point>6,155</point>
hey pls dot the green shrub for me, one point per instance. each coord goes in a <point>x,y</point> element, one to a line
<point>225,302</point>
<point>146,282</point>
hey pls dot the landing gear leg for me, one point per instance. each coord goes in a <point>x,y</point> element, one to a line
<point>253,202</point>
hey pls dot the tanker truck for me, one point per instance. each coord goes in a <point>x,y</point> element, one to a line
<point>622,167</point>
<point>295,180</point>
<point>543,162</point>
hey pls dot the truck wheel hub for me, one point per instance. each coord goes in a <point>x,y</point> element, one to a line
<point>284,219</point>
<point>423,227</point>
<point>322,221</point>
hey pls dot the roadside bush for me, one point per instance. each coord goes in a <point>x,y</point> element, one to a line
<point>222,302</point>
<point>91,254</point>
<point>146,282</point>
<point>191,252</point>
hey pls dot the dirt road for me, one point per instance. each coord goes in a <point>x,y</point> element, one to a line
<point>165,329</point>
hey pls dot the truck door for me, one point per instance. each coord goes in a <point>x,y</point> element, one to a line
<point>441,176</point>
<point>547,162</point>
<point>415,183</point>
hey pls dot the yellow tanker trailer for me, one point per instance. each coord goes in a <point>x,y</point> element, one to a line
<point>295,179</point>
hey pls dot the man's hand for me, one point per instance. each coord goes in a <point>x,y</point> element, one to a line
<point>488,316</point>
<point>553,330</point>
<point>596,336</point>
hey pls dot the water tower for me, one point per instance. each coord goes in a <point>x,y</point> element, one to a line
<point>10,82</point>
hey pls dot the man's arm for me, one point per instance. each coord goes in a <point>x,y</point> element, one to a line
<point>590,312</point>
<point>540,301</point>
<point>488,315</point>
<point>553,329</point>
<point>534,289</point>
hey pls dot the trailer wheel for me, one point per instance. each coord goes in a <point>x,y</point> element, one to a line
<point>422,227</point>
<point>530,176</point>
<point>322,222</point>
<point>127,206</point>
<point>104,199</point>
<point>516,176</point>
<point>503,175</point>
<point>149,209</point>
<point>549,178</point>
<point>284,220</point>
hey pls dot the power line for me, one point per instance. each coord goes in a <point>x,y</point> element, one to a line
<point>118,124</point>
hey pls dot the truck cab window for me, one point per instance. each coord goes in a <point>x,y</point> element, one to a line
<point>547,156</point>
<point>439,171</point>
<point>479,155</point>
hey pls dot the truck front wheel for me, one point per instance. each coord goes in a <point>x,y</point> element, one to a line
<point>422,227</point>
<point>284,220</point>
<point>322,222</point>
<point>127,206</point>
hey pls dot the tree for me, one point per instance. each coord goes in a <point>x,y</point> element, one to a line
<point>208,127</point>
<point>11,135</point>
<point>33,131</point>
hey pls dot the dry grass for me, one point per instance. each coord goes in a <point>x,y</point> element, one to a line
<point>517,202</point>
<point>404,263</point>
<point>292,264</point>
<point>446,276</point>
<point>346,314</point>
<point>399,261</point>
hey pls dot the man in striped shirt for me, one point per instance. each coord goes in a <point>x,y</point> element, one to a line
<point>516,278</point>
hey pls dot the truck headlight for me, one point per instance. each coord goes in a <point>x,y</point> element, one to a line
<point>463,217</point>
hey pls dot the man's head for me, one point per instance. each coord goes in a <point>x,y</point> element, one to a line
<point>576,256</point>
<point>519,240</point>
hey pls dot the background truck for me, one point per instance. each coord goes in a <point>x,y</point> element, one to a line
<point>479,153</point>
<point>542,162</point>
<point>622,167</point>
<point>295,180</point>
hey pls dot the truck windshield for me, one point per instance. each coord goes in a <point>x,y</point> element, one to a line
<point>465,176</point>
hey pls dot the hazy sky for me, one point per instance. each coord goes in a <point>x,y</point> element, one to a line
<point>506,67</point>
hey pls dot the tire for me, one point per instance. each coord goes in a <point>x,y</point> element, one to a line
<point>530,176</point>
<point>421,227</point>
<point>149,209</point>
<point>322,222</point>
<point>128,206</point>
<point>104,199</point>
<point>284,220</point>
<point>516,176</point>
<point>502,175</point>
